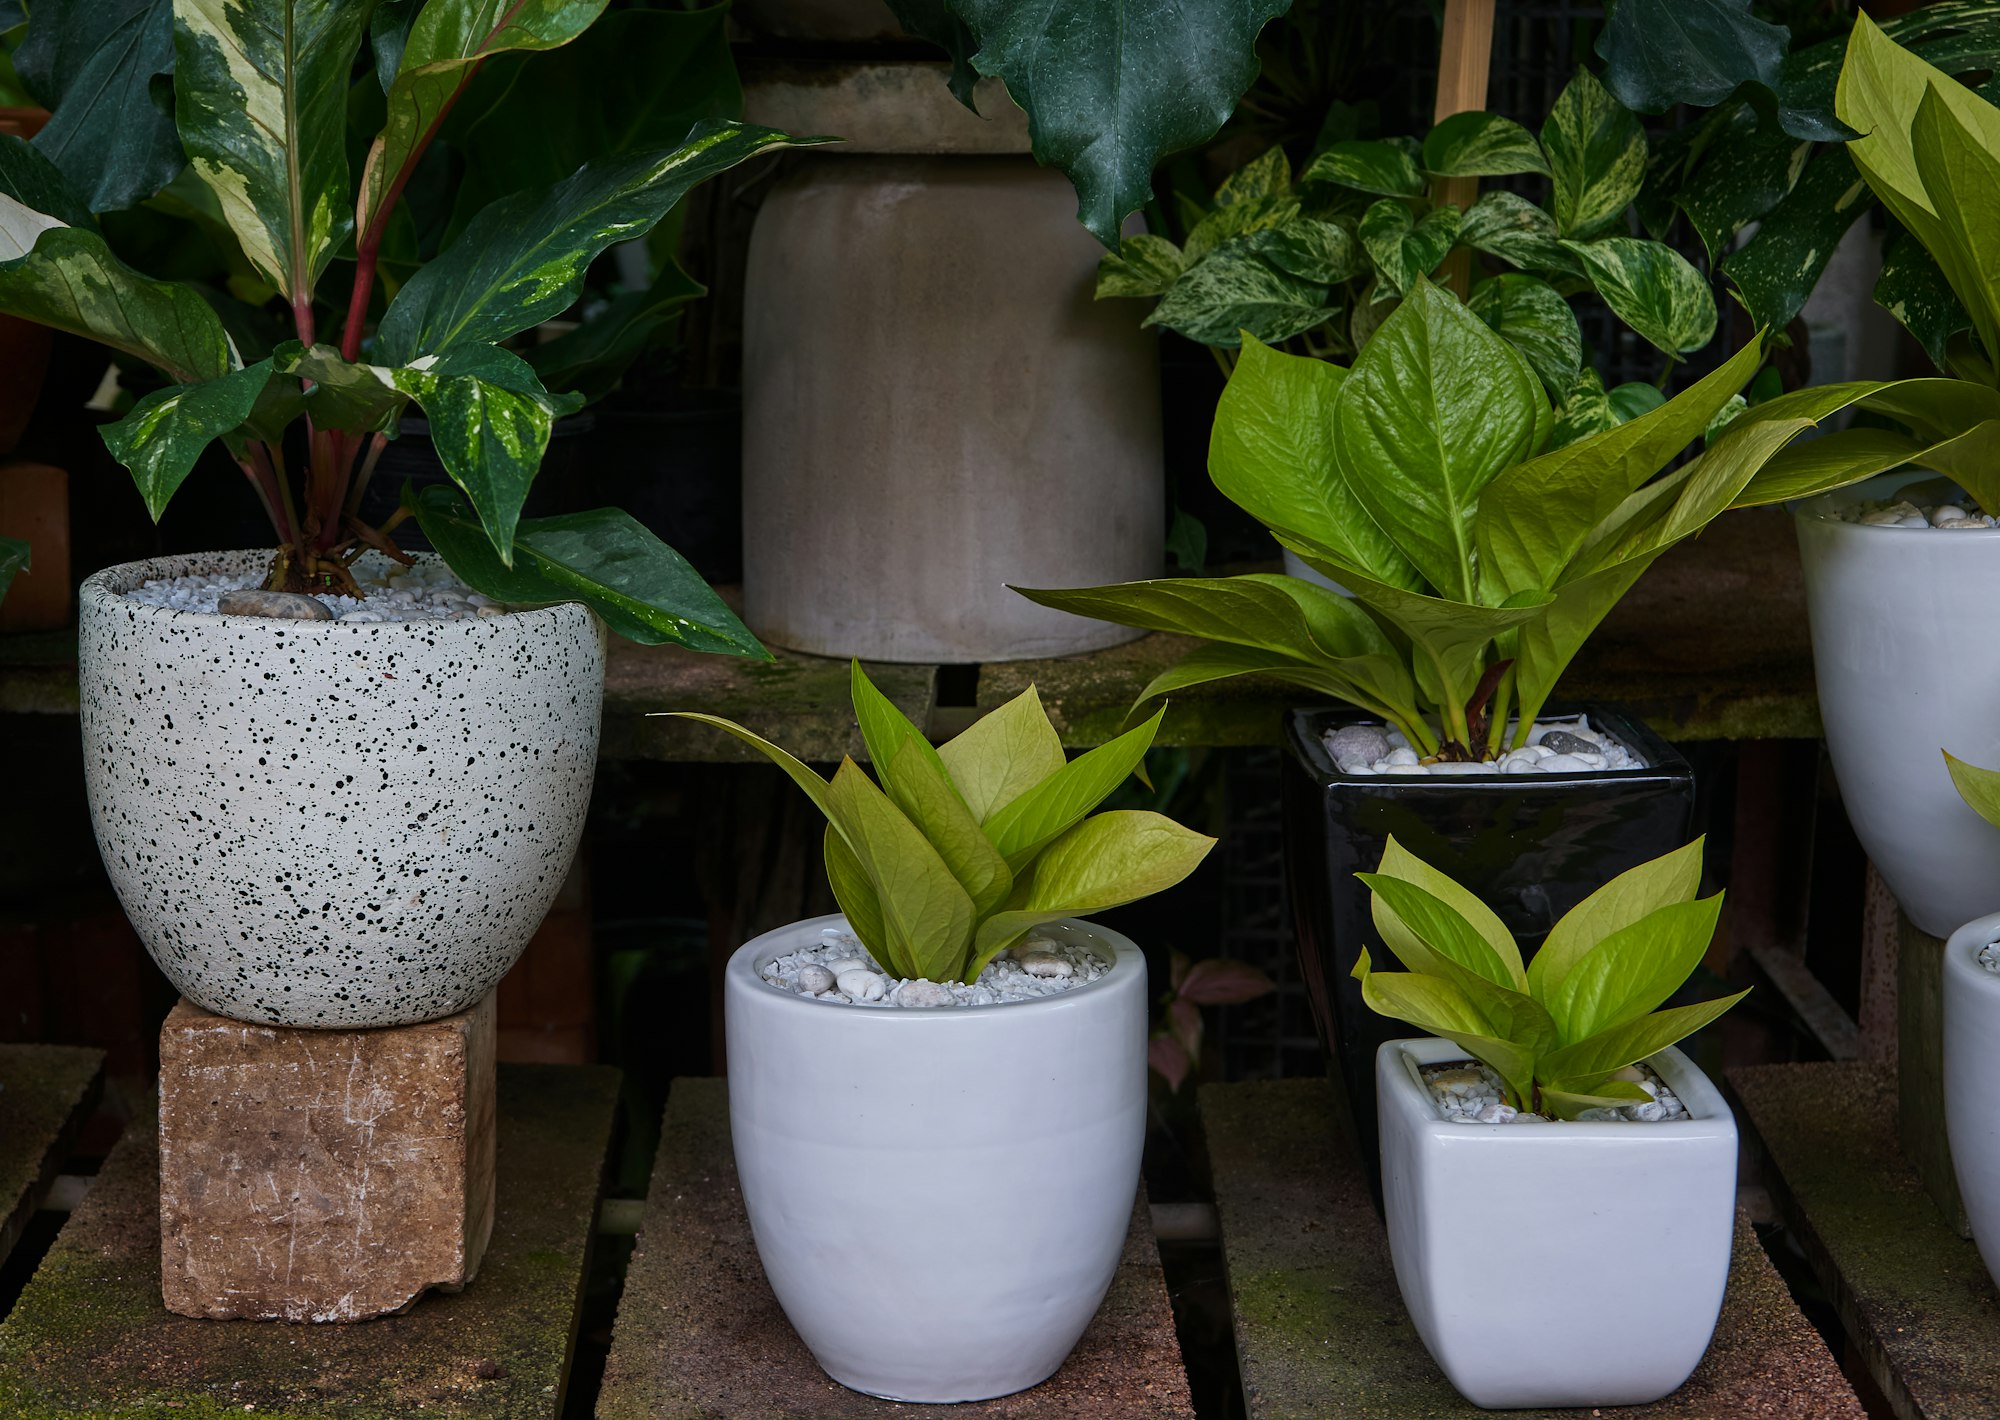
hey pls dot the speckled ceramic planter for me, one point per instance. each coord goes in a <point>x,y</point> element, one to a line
<point>313,823</point>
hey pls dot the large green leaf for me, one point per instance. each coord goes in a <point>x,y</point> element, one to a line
<point>260,98</point>
<point>1776,270</point>
<point>1308,248</point>
<point>1633,1041</point>
<point>590,359</point>
<point>1378,683</point>
<point>1597,156</point>
<point>444,48</point>
<point>1745,170</point>
<point>1404,866</point>
<point>1444,1008</point>
<point>1233,290</point>
<point>1652,288</point>
<point>1915,292</point>
<point>1433,409</point>
<point>1980,788</point>
<point>1530,315</point>
<point>927,918</point>
<point>1003,754</point>
<point>1961,174</point>
<point>1659,53</point>
<point>1406,248</point>
<point>1271,453</point>
<point>1633,894</point>
<point>1482,145</point>
<point>523,259</point>
<point>1106,861</point>
<point>103,67</point>
<point>1442,929</point>
<point>934,20</point>
<point>1507,225</point>
<point>1386,169</point>
<point>1633,969</point>
<point>1113,86</point>
<point>644,590</point>
<point>1028,824</point>
<point>853,890</point>
<point>919,785</point>
<point>1259,609</point>
<point>166,432</point>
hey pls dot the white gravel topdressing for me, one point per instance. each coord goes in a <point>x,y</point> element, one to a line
<point>1467,1092</point>
<point>1929,513</point>
<point>1989,957</point>
<point>839,969</point>
<point>1560,745</point>
<point>426,592</point>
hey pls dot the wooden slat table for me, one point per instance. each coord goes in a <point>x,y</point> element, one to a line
<point>89,1336</point>
<point>1321,1332</point>
<point>1915,1300</point>
<point>46,1092</point>
<point>701,1337</point>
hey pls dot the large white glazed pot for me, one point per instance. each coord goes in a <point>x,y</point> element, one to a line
<point>1971,1046</point>
<point>1906,667</point>
<point>332,824</point>
<point>1512,1241</point>
<point>935,407</point>
<point>940,1197</point>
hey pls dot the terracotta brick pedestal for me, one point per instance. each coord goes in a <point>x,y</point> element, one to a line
<point>310,1175</point>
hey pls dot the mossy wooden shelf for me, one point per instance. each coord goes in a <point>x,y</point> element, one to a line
<point>89,1336</point>
<point>1914,1299</point>
<point>700,1336</point>
<point>46,1092</point>
<point>1711,644</point>
<point>1321,1332</point>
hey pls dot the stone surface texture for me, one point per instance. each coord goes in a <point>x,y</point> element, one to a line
<point>89,1337</point>
<point>1916,1302</point>
<point>1321,1331</point>
<point>700,1336</point>
<point>324,1176</point>
<point>883,528</point>
<point>334,824</point>
<point>45,1092</point>
<point>899,106</point>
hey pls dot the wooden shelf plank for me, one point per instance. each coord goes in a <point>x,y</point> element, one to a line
<point>1321,1331</point>
<point>1913,1295</point>
<point>46,1092</point>
<point>701,1337</point>
<point>89,1336</point>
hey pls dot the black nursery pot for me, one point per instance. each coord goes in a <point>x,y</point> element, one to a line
<point>1531,846</point>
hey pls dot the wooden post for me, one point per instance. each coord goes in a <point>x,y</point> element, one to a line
<point>1464,60</point>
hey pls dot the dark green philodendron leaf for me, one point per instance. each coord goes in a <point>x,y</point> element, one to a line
<point>1434,408</point>
<point>1658,53</point>
<point>31,184</point>
<point>590,359</point>
<point>1980,788</point>
<point>1482,145</point>
<point>388,35</point>
<point>15,556</point>
<point>644,590</point>
<point>1650,287</point>
<point>260,98</point>
<point>1744,172</point>
<point>443,49</point>
<point>1312,250</point>
<point>1775,271</point>
<point>1233,290</point>
<point>1597,157</point>
<point>1386,169</point>
<point>1143,265</point>
<point>1112,86</point>
<point>1915,292</point>
<point>1405,248</point>
<point>523,259</point>
<point>103,66</point>
<point>1529,314</point>
<point>936,21</point>
<point>167,431</point>
<point>1509,226</point>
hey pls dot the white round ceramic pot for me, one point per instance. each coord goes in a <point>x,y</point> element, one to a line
<point>331,824</point>
<point>1905,670</point>
<point>1971,1046</point>
<point>940,1197</point>
<point>1512,1240</point>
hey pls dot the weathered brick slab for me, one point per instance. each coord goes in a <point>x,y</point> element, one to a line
<point>701,1337</point>
<point>1321,1332</point>
<point>314,1175</point>
<point>1913,1297</point>
<point>45,1093</point>
<point>89,1336</point>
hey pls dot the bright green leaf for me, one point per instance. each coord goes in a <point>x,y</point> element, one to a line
<point>1386,169</point>
<point>918,785</point>
<point>1003,754</point>
<point>1633,1041</point>
<point>1980,788</point>
<point>1634,969</point>
<point>1059,802</point>
<point>1597,157</point>
<point>927,918</point>
<point>1631,895</point>
<point>1528,313</point>
<point>1482,145</point>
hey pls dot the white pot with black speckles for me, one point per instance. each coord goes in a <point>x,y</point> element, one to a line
<point>318,823</point>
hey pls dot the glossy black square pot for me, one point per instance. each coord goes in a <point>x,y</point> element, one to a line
<point>1531,846</point>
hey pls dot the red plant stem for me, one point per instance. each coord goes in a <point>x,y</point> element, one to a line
<point>258,470</point>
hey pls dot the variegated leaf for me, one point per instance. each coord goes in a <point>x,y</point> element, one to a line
<point>445,46</point>
<point>1263,177</point>
<point>1387,169</point>
<point>1482,145</point>
<point>1597,156</point>
<point>1528,313</point>
<point>1211,230</point>
<point>260,96</point>
<point>1309,249</point>
<point>1775,271</point>
<point>1914,291</point>
<point>1508,226</point>
<point>1650,287</point>
<point>166,432</point>
<point>1233,290</point>
<point>1746,170</point>
<point>1404,248</point>
<point>1143,265</point>
<point>523,259</point>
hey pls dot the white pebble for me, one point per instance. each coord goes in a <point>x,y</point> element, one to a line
<point>860,985</point>
<point>361,616</point>
<point>1401,755</point>
<point>847,964</point>
<point>1406,769</point>
<point>1946,513</point>
<point>1565,764</point>
<point>919,992</point>
<point>814,979</point>
<point>1045,964</point>
<point>1353,745</point>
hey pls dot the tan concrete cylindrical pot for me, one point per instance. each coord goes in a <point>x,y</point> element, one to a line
<point>841,20</point>
<point>934,407</point>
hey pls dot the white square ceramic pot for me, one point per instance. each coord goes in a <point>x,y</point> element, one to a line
<point>939,1197</point>
<point>1558,1264</point>
<point>1971,1107</point>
